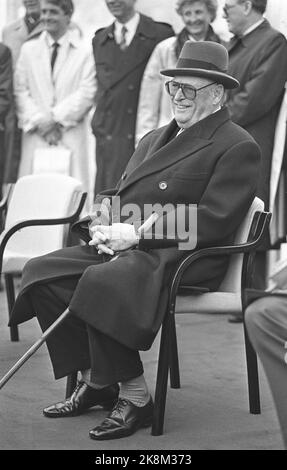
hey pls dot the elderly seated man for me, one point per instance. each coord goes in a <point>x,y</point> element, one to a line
<point>154,108</point>
<point>116,287</point>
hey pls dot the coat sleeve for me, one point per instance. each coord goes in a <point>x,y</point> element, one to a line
<point>74,107</point>
<point>264,85</point>
<point>28,111</point>
<point>6,80</point>
<point>152,88</point>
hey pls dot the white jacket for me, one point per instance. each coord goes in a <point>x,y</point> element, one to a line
<point>154,107</point>
<point>68,95</point>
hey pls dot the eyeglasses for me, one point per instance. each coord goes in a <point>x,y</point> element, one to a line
<point>188,91</point>
<point>227,7</point>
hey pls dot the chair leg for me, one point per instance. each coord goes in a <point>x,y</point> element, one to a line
<point>71,383</point>
<point>174,363</point>
<point>252,375</point>
<point>10,292</point>
<point>161,381</point>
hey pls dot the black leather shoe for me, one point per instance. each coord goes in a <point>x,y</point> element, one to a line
<point>124,419</point>
<point>82,398</point>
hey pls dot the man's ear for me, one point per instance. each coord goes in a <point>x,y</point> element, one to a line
<point>247,7</point>
<point>218,93</point>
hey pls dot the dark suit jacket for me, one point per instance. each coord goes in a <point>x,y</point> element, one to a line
<point>119,75</point>
<point>213,164</point>
<point>259,62</point>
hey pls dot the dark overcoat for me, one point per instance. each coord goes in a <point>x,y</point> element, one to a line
<point>6,100</point>
<point>259,62</point>
<point>213,164</point>
<point>14,35</point>
<point>119,75</point>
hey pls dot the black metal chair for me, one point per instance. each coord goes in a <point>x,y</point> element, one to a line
<point>249,237</point>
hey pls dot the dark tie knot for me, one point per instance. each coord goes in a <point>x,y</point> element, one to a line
<point>123,42</point>
<point>55,47</point>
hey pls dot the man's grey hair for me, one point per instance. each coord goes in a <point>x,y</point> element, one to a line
<point>259,5</point>
<point>211,6</point>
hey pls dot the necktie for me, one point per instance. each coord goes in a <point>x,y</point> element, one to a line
<point>123,41</point>
<point>55,47</point>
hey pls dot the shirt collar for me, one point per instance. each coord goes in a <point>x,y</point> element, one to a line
<point>252,28</point>
<point>131,25</point>
<point>67,38</point>
<point>213,112</point>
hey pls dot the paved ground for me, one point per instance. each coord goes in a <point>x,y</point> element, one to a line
<point>210,411</point>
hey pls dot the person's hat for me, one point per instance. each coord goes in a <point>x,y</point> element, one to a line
<point>203,59</point>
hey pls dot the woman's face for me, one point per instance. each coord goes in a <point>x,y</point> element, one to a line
<point>197,19</point>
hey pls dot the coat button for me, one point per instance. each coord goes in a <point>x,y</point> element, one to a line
<point>163,185</point>
<point>130,136</point>
<point>130,111</point>
<point>109,137</point>
<point>131,87</point>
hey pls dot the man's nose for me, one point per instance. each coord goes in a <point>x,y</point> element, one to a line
<point>45,15</point>
<point>192,18</point>
<point>179,94</point>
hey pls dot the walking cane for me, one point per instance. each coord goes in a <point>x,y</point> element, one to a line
<point>33,349</point>
<point>145,226</point>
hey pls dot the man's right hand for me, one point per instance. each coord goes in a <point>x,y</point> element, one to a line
<point>54,136</point>
<point>46,125</point>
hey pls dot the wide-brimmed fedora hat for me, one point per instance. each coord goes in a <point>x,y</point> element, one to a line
<point>203,59</point>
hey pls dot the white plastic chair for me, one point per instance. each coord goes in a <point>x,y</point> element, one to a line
<point>38,215</point>
<point>228,296</point>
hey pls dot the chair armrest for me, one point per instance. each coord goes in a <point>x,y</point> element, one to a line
<point>258,231</point>
<point>81,228</point>
<point>7,234</point>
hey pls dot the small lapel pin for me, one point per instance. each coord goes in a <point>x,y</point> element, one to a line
<point>163,185</point>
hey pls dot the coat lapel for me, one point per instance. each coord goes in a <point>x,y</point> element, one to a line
<point>244,41</point>
<point>62,58</point>
<point>135,54</point>
<point>165,152</point>
<point>36,31</point>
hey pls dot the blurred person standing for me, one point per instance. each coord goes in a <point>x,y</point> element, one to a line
<point>154,108</point>
<point>266,323</point>
<point>6,97</point>
<point>121,53</point>
<point>14,35</point>
<point>258,59</point>
<point>55,88</point>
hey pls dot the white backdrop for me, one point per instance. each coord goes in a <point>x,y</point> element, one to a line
<point>93,14</point>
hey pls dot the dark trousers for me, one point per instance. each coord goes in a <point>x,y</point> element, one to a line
<point>266,322</point>
<point>75,345</point>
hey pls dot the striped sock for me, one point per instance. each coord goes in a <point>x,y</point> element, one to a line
<point>136,391</point>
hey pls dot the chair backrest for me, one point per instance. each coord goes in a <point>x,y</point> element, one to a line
<point>39,197</point>
<point>232,278</point>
